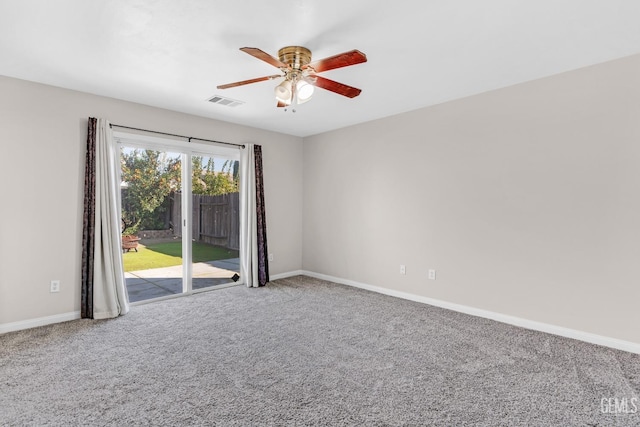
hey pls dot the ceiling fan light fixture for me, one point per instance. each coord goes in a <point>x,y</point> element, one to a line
<point>304,91</point>
<point>283,92</point>
<point>300,73</point>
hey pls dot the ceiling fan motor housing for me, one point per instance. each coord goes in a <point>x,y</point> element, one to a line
<point>295,56</point>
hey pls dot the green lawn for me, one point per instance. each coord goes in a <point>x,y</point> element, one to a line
<point>170,253</point>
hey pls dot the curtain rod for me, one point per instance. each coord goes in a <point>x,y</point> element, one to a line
<point>173,134</point>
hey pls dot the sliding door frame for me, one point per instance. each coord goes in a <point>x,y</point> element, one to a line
<point>186,150</point>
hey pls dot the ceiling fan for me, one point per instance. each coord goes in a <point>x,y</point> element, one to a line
<point>300,74</point>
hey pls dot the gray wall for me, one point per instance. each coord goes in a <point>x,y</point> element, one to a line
<point>526,201</point>
<point>43,135</point>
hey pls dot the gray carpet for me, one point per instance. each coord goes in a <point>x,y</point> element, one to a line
<point>307,352</point>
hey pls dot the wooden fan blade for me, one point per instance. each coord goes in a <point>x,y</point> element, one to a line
<point>339,88</point>
<point>264,56</point>
<point>246,82</point>
<point>338,61</point>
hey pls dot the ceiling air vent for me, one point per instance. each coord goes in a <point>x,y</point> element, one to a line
<point>221,100</point>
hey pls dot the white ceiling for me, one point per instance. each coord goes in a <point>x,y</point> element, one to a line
<point>173,54</point>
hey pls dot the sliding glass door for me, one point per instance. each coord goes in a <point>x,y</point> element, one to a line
<point>215,232</point>
<point>180,216</point>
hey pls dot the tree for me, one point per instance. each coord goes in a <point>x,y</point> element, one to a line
<point>212,182</point>
<point>198,185</point>
<point>150,177</point>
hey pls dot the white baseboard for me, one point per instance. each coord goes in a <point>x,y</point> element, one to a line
<point>629,346</point>
<point>287,274</point>
<point>40,321</point>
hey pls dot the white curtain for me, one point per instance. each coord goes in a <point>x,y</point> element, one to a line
<point>248,220</point>
<point>109,290</point>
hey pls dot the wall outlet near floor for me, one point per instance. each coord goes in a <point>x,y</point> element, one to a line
<point>271,257</point>
<point>432,275</point>
<point>403,269</point>
<point>54,286</point>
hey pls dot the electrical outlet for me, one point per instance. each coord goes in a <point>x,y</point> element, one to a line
<point>271,257</point>
<point>54,286</point>
<point>403,269</point>
<point>432,275</point>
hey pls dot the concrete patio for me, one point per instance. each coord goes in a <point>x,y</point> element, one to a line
<point>160,282</point>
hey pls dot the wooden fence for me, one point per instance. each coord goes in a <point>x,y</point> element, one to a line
<point>216,219</point>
